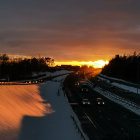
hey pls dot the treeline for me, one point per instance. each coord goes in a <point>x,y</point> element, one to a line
<point>16,69</point>
<point>124,67</point>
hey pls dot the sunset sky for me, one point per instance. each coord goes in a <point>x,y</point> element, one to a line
<point>70,30</point>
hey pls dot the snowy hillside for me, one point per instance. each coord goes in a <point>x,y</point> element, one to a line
<point>15,103</point>
<point>36,112</point>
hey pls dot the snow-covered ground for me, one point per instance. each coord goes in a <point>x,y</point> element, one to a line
<point>120,85</point>
<point>45,75</point>
<point>48,74</point>
<point>36,112</point>
<point>101,78</point>
<point>116,79</point>
<point>15,103</point>
<point>125,87</point>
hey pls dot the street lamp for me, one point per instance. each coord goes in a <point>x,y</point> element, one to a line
<point>138,71</point>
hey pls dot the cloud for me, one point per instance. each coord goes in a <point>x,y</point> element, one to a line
<point>64,29</point>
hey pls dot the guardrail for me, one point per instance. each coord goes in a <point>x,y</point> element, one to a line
<point>116,97</point>
<point>128,102</point>
<point>77,127</point>
<point>33,81</point>
<point>13,83</point>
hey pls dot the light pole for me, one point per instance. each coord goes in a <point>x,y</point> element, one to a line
<point>138,71</point>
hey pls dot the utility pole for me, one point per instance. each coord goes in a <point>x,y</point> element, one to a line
<point>138,71</point>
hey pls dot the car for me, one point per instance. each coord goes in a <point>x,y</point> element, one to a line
<point>77,84</point>
<point>28,82</point>
<point>84,89</point>
<point>100,101</point>
<point>86,102</point>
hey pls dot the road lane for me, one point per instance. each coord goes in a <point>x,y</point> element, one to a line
<point>110,121</point>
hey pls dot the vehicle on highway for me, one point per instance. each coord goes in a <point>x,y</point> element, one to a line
<point>34,82</point>
<point>28,82</point>
<point>77,84</point>
<point>84,89</point>
<point>100,101</point>
<point>86,102</point>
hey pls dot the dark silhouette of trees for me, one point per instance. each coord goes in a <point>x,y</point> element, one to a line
<point>124,67</point>
<point>21,69</point>
<point>4,57</point>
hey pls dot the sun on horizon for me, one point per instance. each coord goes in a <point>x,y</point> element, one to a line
<point>95,64</point>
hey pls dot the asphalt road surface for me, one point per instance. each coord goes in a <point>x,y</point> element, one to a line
<point>102,122</point>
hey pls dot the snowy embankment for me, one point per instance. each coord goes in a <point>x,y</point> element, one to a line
<point>40,75</point>
<point>117,99</point>
<point>51,74</point>
<point>125,87</point>
<point>116,79</point>
<point>15,103</point>
<point>120,85</point>
<point>36,112</point>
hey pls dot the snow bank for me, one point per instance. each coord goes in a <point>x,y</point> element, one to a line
<point>122,86</point>
<point>101,78</point>
<point>125,87</point>
<point>48,74</point>
<point>117,79</point>
<point>59,124</point>
<point>15,103</point>
<point>36,112</point>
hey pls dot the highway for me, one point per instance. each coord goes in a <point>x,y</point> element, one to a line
<point>102,122</point>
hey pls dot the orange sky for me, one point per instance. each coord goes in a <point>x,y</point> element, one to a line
<point>95,64</point>
<point>72,30</point>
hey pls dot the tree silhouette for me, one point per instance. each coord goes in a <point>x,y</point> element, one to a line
<point>21,69</point>
<point>125,67</point>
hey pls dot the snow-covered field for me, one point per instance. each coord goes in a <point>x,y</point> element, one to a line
<point>36,112</point>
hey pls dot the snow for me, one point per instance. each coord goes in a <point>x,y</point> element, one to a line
<point>101,78</point>
<point>37,112</point>
<point>122,86</point>
<point>15,103</point>
<point>48,74</point>
<point>117,79</point>
<point>125,87</point>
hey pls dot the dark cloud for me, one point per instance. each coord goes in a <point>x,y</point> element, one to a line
<point>69,29</point>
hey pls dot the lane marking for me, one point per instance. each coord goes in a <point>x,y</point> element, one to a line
<point>90,120</point>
